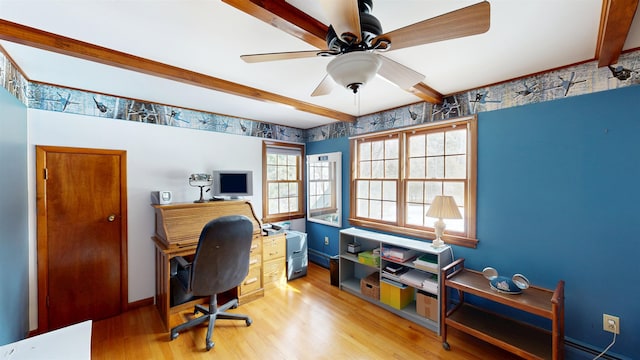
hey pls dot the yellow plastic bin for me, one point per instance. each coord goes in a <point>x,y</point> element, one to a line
<point>395,294</point>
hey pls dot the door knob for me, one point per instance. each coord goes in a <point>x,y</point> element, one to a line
<point>111,218</point>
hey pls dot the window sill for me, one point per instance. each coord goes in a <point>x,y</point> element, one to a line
<point>283,217</point>
<point>421,234</point>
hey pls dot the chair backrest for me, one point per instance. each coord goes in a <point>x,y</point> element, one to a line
<point>222,258</point>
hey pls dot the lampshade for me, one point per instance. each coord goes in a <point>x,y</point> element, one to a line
<point>354,69</point>
<point>444,207</point>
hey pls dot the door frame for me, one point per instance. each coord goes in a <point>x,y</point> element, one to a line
<point>42,238</point>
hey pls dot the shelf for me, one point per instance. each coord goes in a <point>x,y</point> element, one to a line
<point>522,339</point>
<point>351,270</point>
<point>350,257</point>
<point>402,281</point>
<point>409,312</point>
<point>352,284</point>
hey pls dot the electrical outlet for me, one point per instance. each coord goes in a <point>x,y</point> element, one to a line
<point>611,323</point>
<point>326,240</point>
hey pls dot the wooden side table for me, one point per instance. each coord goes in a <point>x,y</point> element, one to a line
<point>522,339</point>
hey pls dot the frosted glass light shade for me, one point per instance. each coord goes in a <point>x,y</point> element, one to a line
<point>354,69</point>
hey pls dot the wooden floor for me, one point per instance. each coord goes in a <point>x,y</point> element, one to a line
<point>305,319</point>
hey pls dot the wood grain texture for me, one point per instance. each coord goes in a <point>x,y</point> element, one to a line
<point>82,235</point>
<point>43,40</point>
<point>304,319</point>
<point>615,23</point>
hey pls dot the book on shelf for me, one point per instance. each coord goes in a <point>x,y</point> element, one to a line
<point>395,269</point>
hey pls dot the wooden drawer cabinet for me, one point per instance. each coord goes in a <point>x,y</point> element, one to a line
<point>275,247</point>
<point>273,257</point>
<point>274,273</point>
<point>255,258</point>
<point>251,282</point>
<point>251,288</point>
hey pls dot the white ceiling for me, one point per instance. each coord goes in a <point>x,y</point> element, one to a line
<point>208,37</point>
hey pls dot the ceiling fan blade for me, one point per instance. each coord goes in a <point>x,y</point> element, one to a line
<point>471,20</point>
<point>343,15</point>
<point>325,86</point>
<point>255,58</point>
<point>404,77</point>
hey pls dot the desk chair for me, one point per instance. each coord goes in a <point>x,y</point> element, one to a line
<point>221,263</point>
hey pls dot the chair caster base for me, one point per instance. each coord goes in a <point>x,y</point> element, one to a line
<point>445,345</point>
<point>249,322</point>
<point>173,335</point>
<point>210,345</point>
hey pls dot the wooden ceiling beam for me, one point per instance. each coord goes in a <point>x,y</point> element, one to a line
<point>39,39</point>
<point>286,17</point>
<point>426,93</point>
<point>292,21</point>
<point>615,22</point>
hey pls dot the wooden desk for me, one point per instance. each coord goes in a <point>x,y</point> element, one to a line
<point>178,228</point>
<point>522,339</point>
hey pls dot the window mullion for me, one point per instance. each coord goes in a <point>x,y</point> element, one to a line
<point>401,201</point>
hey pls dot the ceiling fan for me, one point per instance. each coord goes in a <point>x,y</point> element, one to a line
<point>356,50</point>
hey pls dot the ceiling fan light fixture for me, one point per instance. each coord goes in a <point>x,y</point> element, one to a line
<point>353,70</point>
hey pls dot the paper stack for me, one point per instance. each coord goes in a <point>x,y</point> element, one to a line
<point>398,254</point>
<point>421,279</point>
<point>427,262</point>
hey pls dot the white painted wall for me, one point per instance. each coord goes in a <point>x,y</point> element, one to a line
<point>158,158</point>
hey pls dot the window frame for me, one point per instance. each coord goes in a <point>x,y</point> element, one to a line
<point>333,164</point>
<point>466,238</point>
<point>300,162</point>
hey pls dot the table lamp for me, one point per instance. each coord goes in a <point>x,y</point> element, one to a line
<point>200,180</point>
<point>442,207</point>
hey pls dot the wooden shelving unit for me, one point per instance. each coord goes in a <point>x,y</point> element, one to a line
<point>520,338</point>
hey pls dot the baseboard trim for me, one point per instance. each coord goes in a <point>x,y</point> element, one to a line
<point>318,257</point>
<point>589,350</point>
<point>130,306</point>
<point>140,303</point>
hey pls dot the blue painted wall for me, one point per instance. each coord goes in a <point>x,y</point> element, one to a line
<point>558,199</point>
<point>14,282</point>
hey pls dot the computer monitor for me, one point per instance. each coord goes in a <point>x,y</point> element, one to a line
<point>232,183</point>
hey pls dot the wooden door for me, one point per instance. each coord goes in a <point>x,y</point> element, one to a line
<point>82,235</point>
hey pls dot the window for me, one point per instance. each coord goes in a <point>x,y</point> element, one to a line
<point>324,188</point>
<point>377,183</point>
<point>396,175</point>
<point>282,181</point>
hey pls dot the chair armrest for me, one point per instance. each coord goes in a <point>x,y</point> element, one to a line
<point>182,262</point>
